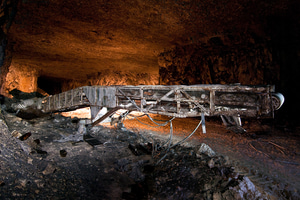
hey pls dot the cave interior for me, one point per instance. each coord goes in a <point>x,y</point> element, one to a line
<point>54,46</point>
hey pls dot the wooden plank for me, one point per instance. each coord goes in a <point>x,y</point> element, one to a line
<point>109,113</point>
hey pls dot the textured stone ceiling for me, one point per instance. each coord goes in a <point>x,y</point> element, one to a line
<point>72,39</point>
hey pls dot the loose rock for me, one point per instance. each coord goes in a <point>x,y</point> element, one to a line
<point>205,149</point>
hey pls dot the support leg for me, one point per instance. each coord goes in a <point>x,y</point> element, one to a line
<point>233,123</point>
<point>103,117</point>
<point>203,123</point>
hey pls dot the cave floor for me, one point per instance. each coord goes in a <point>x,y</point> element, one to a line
<point>56,162</point>
<point>267,153</point>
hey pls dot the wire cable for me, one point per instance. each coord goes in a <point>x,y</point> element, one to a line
<point>188,135</point>
<point>169,141</point>
<point>169,147</point>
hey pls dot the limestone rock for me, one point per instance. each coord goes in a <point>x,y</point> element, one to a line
<point>205,149</point>
<point>49,169</point>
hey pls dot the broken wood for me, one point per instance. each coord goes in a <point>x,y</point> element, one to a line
<point>259,150</point>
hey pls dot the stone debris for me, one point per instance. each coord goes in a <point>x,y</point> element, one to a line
<point>19,135</point>
<point>49,169</point>
<point>247,190</point>
<point>58,164</point>
<point>2,183</point>
<point>205,149</point>
<point>91,140</point>
<point>82,127</point>
<point>16,134</point>
<point>63,153</point>
<point>211,163</point>
<point>71,138</point>
<point>25,136</point>
<point>141,149</point>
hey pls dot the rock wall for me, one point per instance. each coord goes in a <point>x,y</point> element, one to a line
<point>219,61</point>
<point>113,77</point>
<point>8,10</point>
<point>27,79</point>
<point>19,77</point>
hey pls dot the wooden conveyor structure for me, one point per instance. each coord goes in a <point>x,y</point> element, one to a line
<point>176,100</point>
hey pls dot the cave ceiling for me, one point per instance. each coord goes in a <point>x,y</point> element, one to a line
<point>72,38</point>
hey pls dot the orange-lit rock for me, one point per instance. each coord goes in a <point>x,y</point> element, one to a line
<point>20,77</point>
<point>76,40</point>
<point>113,77</point>
<point>70,42</point>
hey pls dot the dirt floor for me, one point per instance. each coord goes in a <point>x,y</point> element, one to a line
<point>58,157</point>
<point>268,154</point>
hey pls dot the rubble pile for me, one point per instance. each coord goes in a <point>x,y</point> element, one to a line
<point>59,160</point>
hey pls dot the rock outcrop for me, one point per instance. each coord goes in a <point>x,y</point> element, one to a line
<point>219,61</point>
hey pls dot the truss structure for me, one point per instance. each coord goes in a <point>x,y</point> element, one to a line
<point>176,101</point>
<point>190,101</point>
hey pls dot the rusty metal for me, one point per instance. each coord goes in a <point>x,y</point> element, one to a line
<point>191,101</point>
<point>66,101</point>
<point>176,100</point>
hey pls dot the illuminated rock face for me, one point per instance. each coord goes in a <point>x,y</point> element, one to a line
<point>66,44</point>
<point>113,77</point>
<point>22,77</point>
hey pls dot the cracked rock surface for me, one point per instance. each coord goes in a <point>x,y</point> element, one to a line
<point>121,165</point>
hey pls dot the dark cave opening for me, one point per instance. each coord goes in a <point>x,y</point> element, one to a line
<point>284,33</point>
<point>49,84</point>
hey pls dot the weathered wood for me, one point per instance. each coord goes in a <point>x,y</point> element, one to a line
<point>176,100</point>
